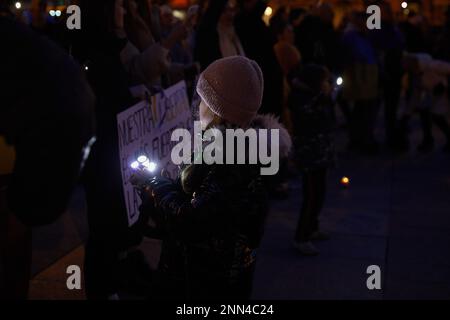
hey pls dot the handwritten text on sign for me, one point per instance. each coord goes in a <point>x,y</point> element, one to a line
<point>146,130</point>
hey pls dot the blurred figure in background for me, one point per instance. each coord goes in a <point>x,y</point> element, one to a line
<point>316,38</point>
<point>192,19</point>
<point>178,53</point>
<point>216,35</point>
<point>360,84</point>
<point>46,125</point>
<point>280,17</point>
<point>289,58</point>
<point>416,32</point>
<point>442,47</point>
<point>311,106</point>
<point>258,45</point>
<point>389,43</point>
<point>428,85</point>
<point>103,43</point>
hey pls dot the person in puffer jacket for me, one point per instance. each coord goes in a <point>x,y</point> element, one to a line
<point>213,215</point>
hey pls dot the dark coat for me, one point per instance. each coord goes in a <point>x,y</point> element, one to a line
<point>213,217</point>
<point>313,124</point>
<point>46,113</point>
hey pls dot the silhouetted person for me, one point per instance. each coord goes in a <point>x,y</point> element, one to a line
<point>258,44</point>
<point>47,120</point>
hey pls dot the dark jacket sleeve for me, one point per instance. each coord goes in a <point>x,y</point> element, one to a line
<point>47,115</point>
<point>196,217</point>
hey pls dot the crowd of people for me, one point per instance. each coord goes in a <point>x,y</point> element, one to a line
<point>298,68</point>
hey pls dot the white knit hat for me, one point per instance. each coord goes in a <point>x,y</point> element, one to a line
<point>232,88</point>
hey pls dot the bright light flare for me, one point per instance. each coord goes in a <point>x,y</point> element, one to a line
<point>18,5</point>
<point>134,165</point>
<point>345,181</point>
<point>339,81</point>
<point>144,163</point>
<point>142,159</point>
<point>404,4</point>
<point>151,166</point>
<point>268,12</point>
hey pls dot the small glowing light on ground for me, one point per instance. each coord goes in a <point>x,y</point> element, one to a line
<point>404,4</point>
<point>345,181</point>
<point>86,68</point>
<point>339,81</point>
<point>52,13</point>
<point>18,5</point>
<point>268,11</point>
<point>57,13</point>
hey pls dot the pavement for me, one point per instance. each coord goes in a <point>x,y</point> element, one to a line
<point>394,214</point>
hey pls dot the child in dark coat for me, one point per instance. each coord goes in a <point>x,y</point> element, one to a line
<point>311,106</point>
<point>213,215</point>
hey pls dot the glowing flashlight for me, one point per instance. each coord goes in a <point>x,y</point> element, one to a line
<point>144,163</point>
<point>144,170</point>
<point>142,159</point>
<point>151,166</point>
<point>339,81</point>
<point>345,181</point>
<point>134,165</point>
<point>18,5</point>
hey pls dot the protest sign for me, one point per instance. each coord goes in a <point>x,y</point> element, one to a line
<point>146,129</point>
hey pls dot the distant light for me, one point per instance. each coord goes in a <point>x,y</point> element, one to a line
<point>406,12</point>
<point>268,11</point>
<point>86,68</point>
<point>52,13</point>
<point>179,14</point>
<point>404,4</point>
<point>18,5</point>
<point>345,181</point>
<point>57,13</point>
<point>339,81</point>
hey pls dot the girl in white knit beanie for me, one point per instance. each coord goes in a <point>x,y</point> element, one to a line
<point>213,215</point>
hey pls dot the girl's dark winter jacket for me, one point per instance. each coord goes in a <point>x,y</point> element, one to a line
<point>213,217</point>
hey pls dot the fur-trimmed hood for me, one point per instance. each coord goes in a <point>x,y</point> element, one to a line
<point>269,122</point>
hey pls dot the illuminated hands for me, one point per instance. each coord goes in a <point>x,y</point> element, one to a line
<point>143,171</point>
